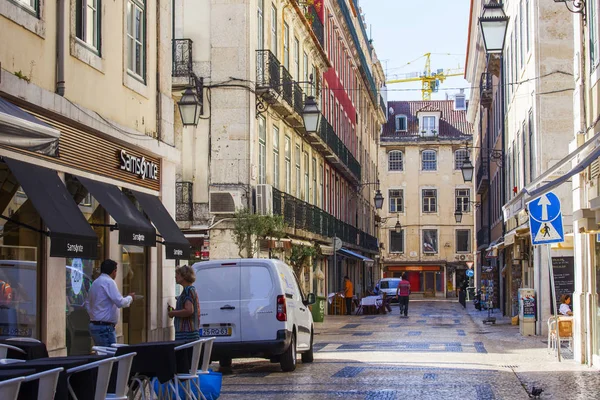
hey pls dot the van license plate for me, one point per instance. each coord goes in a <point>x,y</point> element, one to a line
<point>225,331</point>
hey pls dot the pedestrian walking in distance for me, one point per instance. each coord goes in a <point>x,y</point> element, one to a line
<point>103,305</point>
<point>402,294</point>
<point>348,294</point>
<point>187,309</point>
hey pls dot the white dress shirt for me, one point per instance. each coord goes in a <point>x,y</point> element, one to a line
<point>104,300</point>
<point>564,309</point>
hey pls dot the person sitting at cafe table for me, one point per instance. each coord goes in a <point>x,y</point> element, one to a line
<point>103,305</point>
<point>565,305</point>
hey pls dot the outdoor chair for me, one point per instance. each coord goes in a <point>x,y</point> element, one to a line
<point>4,361</point>
<point>5,347</point>
<point>23,339</point>
<point>123,369</point>
<point>102,380</point>
<point>47,383</point>
<point>9,389</point>
<point>104,351</point>
<point>198,367</point>
<point>565,333</point>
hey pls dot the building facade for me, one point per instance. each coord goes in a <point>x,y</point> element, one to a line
<point>422,149</point>
<point>521,141</point>
<point>250,149</point>
<point>87,144</point>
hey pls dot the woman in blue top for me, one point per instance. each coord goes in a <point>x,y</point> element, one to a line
<point>187,309</point>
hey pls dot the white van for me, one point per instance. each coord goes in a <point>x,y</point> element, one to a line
<point>389,286</point>
<point>255,308</point>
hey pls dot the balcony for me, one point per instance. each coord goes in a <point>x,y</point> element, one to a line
<point>382,105</point>
<point>184,201</point>
<point>182,66</point>
<point>486,90</point>
<point>268,74</point>
<point>483,237</point>
<point>329,144</point>
<point>482,179</point>
<point>304,216</point>
<point>317,26</point>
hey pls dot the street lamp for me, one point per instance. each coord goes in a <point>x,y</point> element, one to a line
<point>494,23</point>
<point>458,215</point>
<point>189,108</point>
<point>467,170</point>
<point>378,199</point>
<point>311,115</point>
<point>398,226</point>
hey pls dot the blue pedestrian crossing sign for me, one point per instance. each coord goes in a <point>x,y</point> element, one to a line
<point>470,273</point>
<point>545,219</point>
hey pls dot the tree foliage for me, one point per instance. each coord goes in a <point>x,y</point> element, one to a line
<point>250,228</point>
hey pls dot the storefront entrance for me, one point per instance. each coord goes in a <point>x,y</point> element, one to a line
<point>135,280</point>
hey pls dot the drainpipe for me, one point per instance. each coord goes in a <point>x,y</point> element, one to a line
<point>60,47</point>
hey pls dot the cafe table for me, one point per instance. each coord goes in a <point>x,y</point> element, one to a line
<point>83,383</point>
<point>33,350</point>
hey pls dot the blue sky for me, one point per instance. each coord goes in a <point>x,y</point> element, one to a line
<point>404,30</point>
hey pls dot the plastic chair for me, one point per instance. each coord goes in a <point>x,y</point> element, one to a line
<point>194,373</point>
<point>9,389</point>
<point>565,333</point>
<point>4,361</point>
<point>23,339</point>
<point>123,369</point>
<point>102,380</point>
<point>5,347</point>
<point>104,351</point>
<point>47,383</point>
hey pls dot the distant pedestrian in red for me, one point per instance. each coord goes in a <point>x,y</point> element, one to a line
<point>402,294</point>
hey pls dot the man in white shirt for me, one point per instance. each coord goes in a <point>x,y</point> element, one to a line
<point>103,305</point>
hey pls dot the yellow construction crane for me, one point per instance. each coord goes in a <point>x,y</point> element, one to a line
<point>430,82</point>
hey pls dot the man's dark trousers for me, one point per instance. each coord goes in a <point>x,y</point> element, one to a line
<point>403,303</point>
<point>348,305</point>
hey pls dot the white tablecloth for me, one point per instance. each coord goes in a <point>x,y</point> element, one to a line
<point>371,300</point>
<point>331,295</point>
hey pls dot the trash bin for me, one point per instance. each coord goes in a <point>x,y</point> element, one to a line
<point>318,309</point>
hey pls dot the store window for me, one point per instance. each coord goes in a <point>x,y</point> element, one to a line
<point>20,255</point>
<point>135,280</point>
<point>80,273</point>
<point>430,241</point>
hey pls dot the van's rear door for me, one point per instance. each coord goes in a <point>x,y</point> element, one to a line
<point>259,302</point>
<point>218,287</point>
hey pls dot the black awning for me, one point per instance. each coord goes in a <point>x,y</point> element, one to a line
<point>24,131</point>
<point>134,228</point>
<point>71,235</point>
<point>178,247</point>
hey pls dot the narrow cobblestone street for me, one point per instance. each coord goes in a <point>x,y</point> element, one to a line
<point>440,352</point>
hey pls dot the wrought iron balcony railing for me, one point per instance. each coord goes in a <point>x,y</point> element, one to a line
<point>299,214</point>
<point>317,26</point>
<point>288,86</point>
<point>327,134</point>
<point>268,71</point>
<point>184,201</point>
<point>382,105</point>
<point>298,98</point>
<point>182,57</point>
<point>486,89</point>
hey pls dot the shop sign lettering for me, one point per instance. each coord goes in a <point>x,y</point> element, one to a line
<point>145,169</point>
<point>138,237</point>
<point>75,248</point>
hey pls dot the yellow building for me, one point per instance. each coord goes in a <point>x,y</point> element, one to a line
<point>86,117</point>
<point>421,152</point>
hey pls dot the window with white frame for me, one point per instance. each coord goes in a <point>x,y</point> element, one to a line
<point>136,38</point>
<point>298,178</point>
<point>274,30</point>
<point>306,178</point>
<point>275,157</point>
<point>401,123</point>
<point>288,164</point>
<point>305,73</point>
<point>429,200</point>
<point>396,200</point>
<point>87,22</point>
<point>463,200</point>
<point>429,160</point>
<point>296,58</point>
<point>286,46</point>
<point>314,177</point>
<point>30,5</point>
<point>396,241</point>
<point>460,156</point>
<point>428,127</point>
<point>260,18</point>
<point>430,241</point>
<point>395,161</point>
<point>262,151</point>
<point>463,241</point>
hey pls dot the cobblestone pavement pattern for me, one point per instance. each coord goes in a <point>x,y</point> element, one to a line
<point>440,352</point>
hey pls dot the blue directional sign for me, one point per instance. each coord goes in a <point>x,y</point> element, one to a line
<point>545,219</point>
<point>470,273</point>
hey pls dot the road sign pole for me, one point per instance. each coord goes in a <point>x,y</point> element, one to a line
<point>553,300</point>
<point>335,277</point>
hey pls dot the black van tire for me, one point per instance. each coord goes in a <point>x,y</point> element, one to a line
<point>225,362</point>
<point>289,358</point>
<point>308,356</point>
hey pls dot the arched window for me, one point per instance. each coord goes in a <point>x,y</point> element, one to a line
<point>460,156</point>
<point>395,161</point>
<point>429,160</point>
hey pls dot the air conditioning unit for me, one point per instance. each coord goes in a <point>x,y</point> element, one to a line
<point>462,257</point>
<point>264,199</point>
<point>224,202</point>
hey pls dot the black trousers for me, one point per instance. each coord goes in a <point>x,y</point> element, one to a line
<point>348,305</point>
<point>403,303</point>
